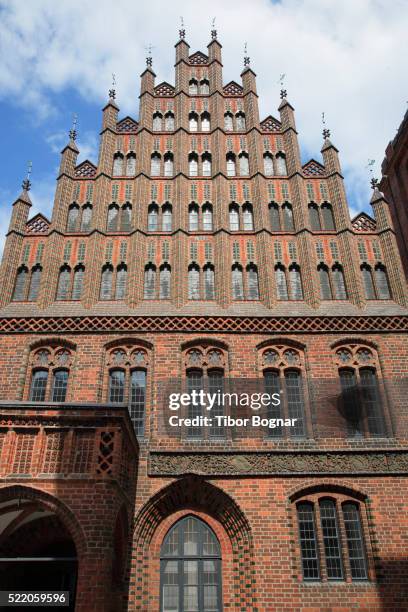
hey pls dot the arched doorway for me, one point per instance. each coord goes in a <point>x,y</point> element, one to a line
<point>37,552</point>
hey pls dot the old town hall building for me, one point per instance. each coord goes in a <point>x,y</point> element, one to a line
<point>200,248</point>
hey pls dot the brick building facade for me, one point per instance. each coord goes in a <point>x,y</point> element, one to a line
<point>201,248</point>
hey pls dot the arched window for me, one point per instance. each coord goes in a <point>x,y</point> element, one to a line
<point>324,279</point>
<point>204,87</point>
<point>268,164</point>
<point>59,385</point>
<point>64,281</point>
<point>121,279</point>
<point>252,282</point>
<point>281,283</point>
<point>155,164</point>
<point>234,218</point>
<point>190,568</point>
<point>274,217</point>
<point>116,386</point>
<point>193,87</point>
<point>78,282</point>
<point>193,122</point>
<point>118,164</point>
<point>237,283</point>
<point>34,283</point>
<point>207,218</point>
<point>240,122</point>
<point>137,400</point>
<point>106,282</point>
<point>368,282</point>
<point>247,218</point>
<point>193,164</point>
<point>327,216</point>
<point>243,164</point>
<point>153,218</point>
<point>228,122</point>
<point>86,218</point>
<point>381,281</point>
<point>314,218</point>
<point>130,164</point>
<point>126,217</point>
<point>231,169</point>
<point>295,282</point>
<point>167,215</point>
<point>73,217</point>
<point>287,217</point>
<point>165,280</point>
<point>193,282</point>
<point>206,161</point>
<point>169,122</point>
<point>205,122</point>
<point>209,282</point>
<point>193,218</point>
<point>280,161</point>
<point>38,385</point>
<point>150,282</point>
<point>168,164</point>
<point>339,284</point>
<point>157,122</point>
<point>113,218</point>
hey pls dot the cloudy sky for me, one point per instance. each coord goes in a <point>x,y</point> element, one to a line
<point>345,58</point>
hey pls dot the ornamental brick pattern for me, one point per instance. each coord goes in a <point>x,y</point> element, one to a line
<point>110,285</point>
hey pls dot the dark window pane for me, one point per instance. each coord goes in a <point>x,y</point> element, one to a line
<point>325,289</point>
<point>339,284</point>
<point>314,218</point>
<point>372,402</point>
<point>35,283</point>
<point>137,404</point>
<point>77,285</point>
<point>350,403</point>
<point>150,283</point>
<point>295,403</point>
<point>308,545</point>
<point>368,283</point>
<point>355,543</point>
<point>21,285</point>
<point>328,518</point>
<point>328,219</point>
<point>275,218</point>
<point>38,386</point>
<point>59,387</point>
<point>64,280</point>
<point>381,280</point>
<point>194,382</point>
<point>121,279</point>
<point>272,385</point>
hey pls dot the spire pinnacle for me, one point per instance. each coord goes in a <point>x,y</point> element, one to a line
<point>72,131</point>
<point>112,92</point>
<point>149,58</point>
<point>26,185</point>
<point>283,92</point>
<point>374,183</point>
<point>182,31</point>
<point>213,30</point>
<point>326,131</point>
<point>247,59</point>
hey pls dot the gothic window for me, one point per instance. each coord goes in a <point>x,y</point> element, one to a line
<point>118,164</point>
<point>153,218</point>
<point>339,284</point>
<point>73,217</point>
<point>165,280</point>
<point>150,282</point>
<point>228,122</point>
<point>116,386</point>
<point>368,282</point>
<point>157,122</point>
<point>381,282</point>
<point>325,286</point>
<point>78,282</point>
<point>231,167</point>
<point>126,217</point>
<point>274,217</point>
<point>20,287</point>
<point>295,283</point>
<point>193,164</point>
<point>234,218</point>
<point>193,87</point>
<point>205,122</point>
<point>59,385</point>
<point>49,374</point>
<point>243,164</point>
<point>206,164</point>
<point>169,122</point>
<point>190,568</point>
<point>86,218</point>
<point>207,218</point>
<point>287,217</point>
<point>137,400</point>
<point>155,164</point>
<point>193,282</point>
<point>280,161</point>
<point>247,218</point>
<point>38,386</point>
<point>167,214</point>
<point>121,279</point>
<point>314,218</point>
<point>237,282</point>
<point>168,164</point>
<point>34,283</point>
<point>64,281</point>
<point>193,122</point>
<point>252,282</point>
<point>130,164</point>
<point>193,218</point>
<point>204,87</point>
<point>268,164</point>
<point>106,282</point>
<point>113,218</point>
<point>209,282</point>
<point>240,122</point>
<point>281,283</point>
<point>327,217</point>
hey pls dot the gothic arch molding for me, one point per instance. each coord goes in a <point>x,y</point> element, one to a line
<point>281,340</point>
<point>326,487</point>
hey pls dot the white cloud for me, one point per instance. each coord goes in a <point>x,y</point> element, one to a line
<point>345,58</point>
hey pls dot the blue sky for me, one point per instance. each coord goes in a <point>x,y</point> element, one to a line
<point>347,59</point>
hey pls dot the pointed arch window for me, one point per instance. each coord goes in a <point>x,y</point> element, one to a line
<point>118,160</point>
<point>368,282</point>
<point>126,217</point>
<point>193,87</point>
<point>73,217</point>
<point>231,167</point>
<point>207,218</point>
<point>268,164</point>
<point>38,386</point>
<point>193,282</point>
<point>193,122</point>
<point>209,282</point>
<point>339,284</point>
<point>78,282</point>
<point>150,282</point>
<point>113,218</point>
<point>237,282</point>
<point>240,122</point>
<point>280,161</point>
<point>228,122</point>
<point>327,216</point>
<point>165,280</point>
<point>206,164</point>
<point>106,282</point>
<point>155,164</point>
<point>193,164</point>
<point>234,218</point>
<point>130,164</point>
<point>252,282</point>
<point>247,218</point>
<point>168,164</point>
<point>121,280</point>
<point>274,217</point>
<point>204,87</point>
<point>34,283</point>
<point>382,284</point>
<point>167,216</point>
<point>193,214</point>
<point>86,218</point>
<point>64,281</point>
<point>287,217</point>
<point>324,279</point>
<point>205,122</point>
<point>281,283</point>
<point>153,218</point>
<point>314,218</point>
<point>243,164</point>
<point>157,122</point>
<point>169,122</point>
<point>20,287</point>
<point>295,282</point>
<point>116,386</point>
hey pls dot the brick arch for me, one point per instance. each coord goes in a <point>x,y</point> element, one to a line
<point>353,340</point>
<point>194,495</point>
<point>281,340</point>
<point>53,504</point>
<point>205,342</point>
<point>54,342</point>
<point>128,340</point>
<point>326,487</point>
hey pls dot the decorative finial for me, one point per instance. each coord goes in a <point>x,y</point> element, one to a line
<point>326,131</point>
<point>149,59</point>
<point>112,92</point>
<point>247,59</point>
<point>26,183</point>
<point>370,166</point>
<point>283,92</point>
<point>374,183</point>
<point>182,31</point>
<point>72,131</point>
<point>213,30</point>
